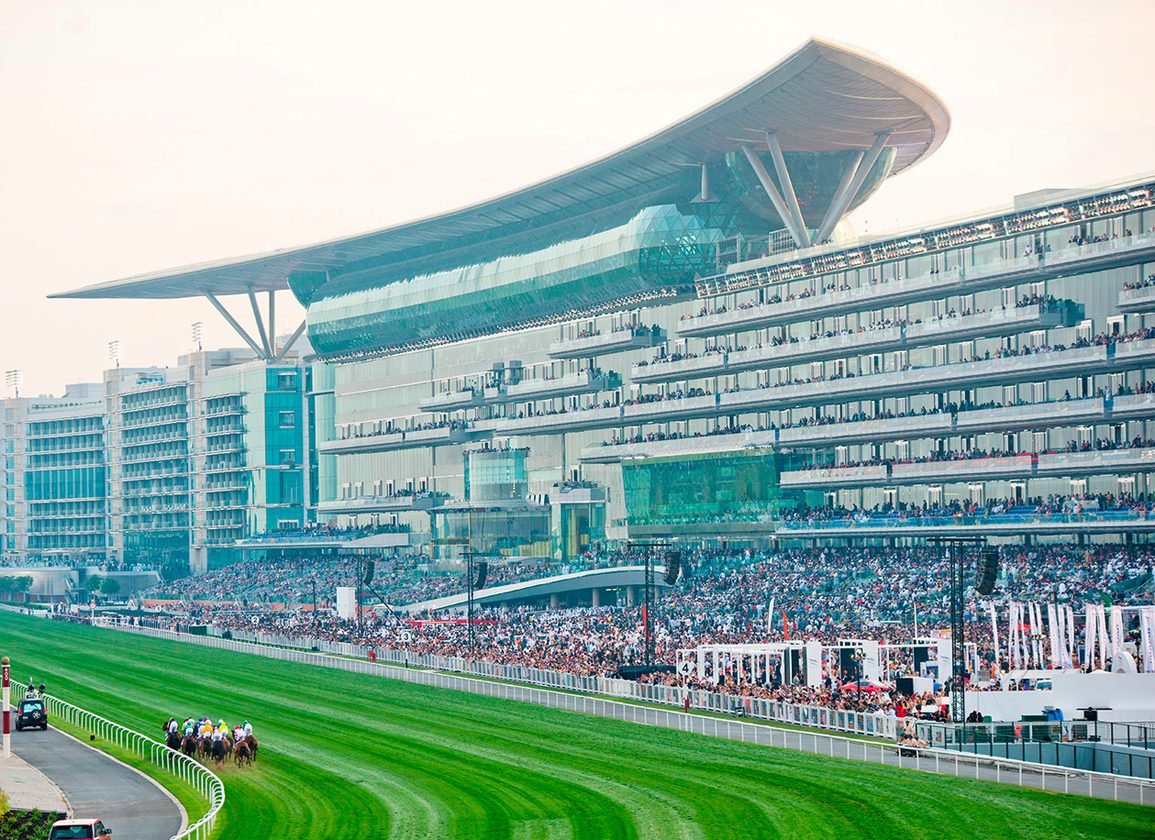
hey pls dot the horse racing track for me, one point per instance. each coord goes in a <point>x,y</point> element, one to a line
<point>346,756</point>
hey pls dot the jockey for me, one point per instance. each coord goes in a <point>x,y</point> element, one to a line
<point>219,734</point>
<point>189,727</point>
<point>171,727</point>
<point>248,729</point>
<point>238,734</point>
<point>206,727</point>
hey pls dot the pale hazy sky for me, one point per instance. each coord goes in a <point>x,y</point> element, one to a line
<point>145,134</point>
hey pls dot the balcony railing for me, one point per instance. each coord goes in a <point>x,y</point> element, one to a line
<point>412,439</point>
<point>1137,300</point>
<point>963,328</point>
<point>604,343</point>
<point>450,400</point>
<point>586,382</point>
<point>1008,418</point>
<point>1089,522</point>
<point>1075,259</point>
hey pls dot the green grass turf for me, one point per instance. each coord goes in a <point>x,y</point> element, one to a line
<point>352,756</point>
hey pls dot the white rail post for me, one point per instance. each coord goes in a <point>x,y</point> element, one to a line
<point>5,665</point>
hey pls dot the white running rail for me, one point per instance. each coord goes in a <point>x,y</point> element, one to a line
<point>204,781</point>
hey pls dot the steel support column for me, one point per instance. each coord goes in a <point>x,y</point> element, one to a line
<point>787,186</point>
<point>235,325</point>
<point>273,322</point>
<point>863,169</point>
<point>772,193</point>
<point>840,201</point>
<point>290,341</point>
<point>260,324</point>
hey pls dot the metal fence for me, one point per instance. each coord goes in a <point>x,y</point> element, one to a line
<point>1109,748</point>
<point>945,762</point>
<point>204,781</point>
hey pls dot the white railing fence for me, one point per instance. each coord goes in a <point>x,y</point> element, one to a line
<point>204,781</point>
<point>820,717</point>
<point>946,762</point>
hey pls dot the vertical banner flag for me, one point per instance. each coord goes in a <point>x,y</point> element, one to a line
<point>1053,635</point>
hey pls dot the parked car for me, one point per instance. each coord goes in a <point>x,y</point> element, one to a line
<point>31,713</point>
<point>79,830</point>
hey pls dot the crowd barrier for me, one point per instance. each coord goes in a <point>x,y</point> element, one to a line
<point>945,762</point>
<point>204,781</point>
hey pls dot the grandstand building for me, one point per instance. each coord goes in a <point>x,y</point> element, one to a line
<point>683,340</point>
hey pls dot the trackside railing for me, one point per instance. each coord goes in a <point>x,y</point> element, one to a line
<point>819,717</point>
<point>204,781</point>
<point>945,762</point>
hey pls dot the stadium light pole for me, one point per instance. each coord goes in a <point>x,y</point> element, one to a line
<point>957,641</point>
<point>648,596</point>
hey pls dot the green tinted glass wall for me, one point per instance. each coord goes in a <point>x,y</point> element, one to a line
<point>733,487</point>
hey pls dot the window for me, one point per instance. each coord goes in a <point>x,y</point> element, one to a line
<point>287,380</point>
<point>1115,325</point>
<point>288,457</point>
<point>977,493</point>
<point>934,494</point>
<point>287,419</point>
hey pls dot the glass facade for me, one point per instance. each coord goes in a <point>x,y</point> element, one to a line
<point>730,487</point>
<point>659,250</point>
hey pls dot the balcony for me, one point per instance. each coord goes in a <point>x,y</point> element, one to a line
<point>936,472</point>
<point>382,504</point>
<point>1098,462</point>
<point>677,447</point>
<point>1133,407</point>
<point>450,400</point>
<point>1092,257</point>
<point>1137,300</point>
<point>603,344</point>
<point>1006,525</point>
<point>964,375</point>
<point>1011,418</point>
<point>960,376</point>
<point>586,382</point>
<point>411,439</point>
<point>866,431</point>
<point>835,477</point>
<point>984,325</point>
<point>545,424</point>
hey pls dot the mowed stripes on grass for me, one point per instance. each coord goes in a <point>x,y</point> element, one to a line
<point>351,756</point>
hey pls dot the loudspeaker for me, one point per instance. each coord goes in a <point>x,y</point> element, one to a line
<point>482,571</point>
<point>673,567</point>
<point>370,567</point>
<point>988,572</point>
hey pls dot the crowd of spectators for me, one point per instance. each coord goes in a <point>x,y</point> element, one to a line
<point>724,597</point>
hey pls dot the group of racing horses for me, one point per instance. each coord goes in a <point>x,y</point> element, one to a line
<point>204,747</point>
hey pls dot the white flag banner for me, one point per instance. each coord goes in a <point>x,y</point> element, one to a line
<point>1071,649</point>
<point>994,629</point>
<point>1053,634</point>
<point>1036,636</point>
<point>1116,629</point>
<point>1089,641</point>
<point>1013,634</point>
<point>770,618</point>
<point>1147,638</point>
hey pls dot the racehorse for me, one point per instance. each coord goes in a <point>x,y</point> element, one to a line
<point>252,742</point>
<point>172,740</point>
<point>188,746</point>
<point>221,748</point>
<point>243,754</point>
